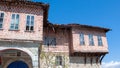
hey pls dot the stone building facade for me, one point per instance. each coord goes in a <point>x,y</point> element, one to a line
<point>28,40</point>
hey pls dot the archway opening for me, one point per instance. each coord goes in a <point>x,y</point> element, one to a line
<point>14,58</point>
<point>18,64</point>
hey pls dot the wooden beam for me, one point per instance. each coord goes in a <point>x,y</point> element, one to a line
<point>102,58</point>
<point>85,59</point>
<point>91,60</point>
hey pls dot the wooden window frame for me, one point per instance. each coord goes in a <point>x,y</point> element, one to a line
<point>50,41</point>
<point>82,41</point>
<point>30,23</point>
<point>100,42</point>
<point>1,18</point>
<point>91,40</point>
<point>15,18</point>
<point>59,60</point>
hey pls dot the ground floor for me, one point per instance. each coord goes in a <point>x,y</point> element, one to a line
<point>29,55</point>
<point>16,58</point>
<point>19,54</point>
<point>64,60</point>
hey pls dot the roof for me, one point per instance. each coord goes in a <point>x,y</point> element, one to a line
<point>23,2</point>
<point>81,26</point>
<point>89,26</point>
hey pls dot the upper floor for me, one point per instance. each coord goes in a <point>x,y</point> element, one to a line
<point>89,39</point>
<point>56,38</point>
<point>75,38</point>
<point>22,20</point>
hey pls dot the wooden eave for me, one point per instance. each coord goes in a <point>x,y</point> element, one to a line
<point>30,3</point>
<point>88,53</point>
<point>89,27</point>
<point>80,26</point>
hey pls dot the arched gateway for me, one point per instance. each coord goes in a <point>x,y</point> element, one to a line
<point>13,58</point>
<point>18,64</point>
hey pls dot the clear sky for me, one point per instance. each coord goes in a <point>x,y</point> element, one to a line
<point>103,13</point>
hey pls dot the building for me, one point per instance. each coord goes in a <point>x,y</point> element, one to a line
<point>28,40</point>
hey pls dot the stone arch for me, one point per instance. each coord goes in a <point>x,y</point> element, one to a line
<point>26,51</point>
<point>21,49</point>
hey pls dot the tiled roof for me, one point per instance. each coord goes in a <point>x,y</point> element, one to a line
<point>24,2</point>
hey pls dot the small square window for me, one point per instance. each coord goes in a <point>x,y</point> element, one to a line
<point>59,60</point>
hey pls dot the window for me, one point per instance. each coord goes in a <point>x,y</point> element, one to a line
<point>99,41</point>
<point>82,42</point>
<point>1,20</point>
<point>30,23</point>
<point>91,41</point>
<point>14,22</point>
<point>49,41</point>
<point>58,60</point>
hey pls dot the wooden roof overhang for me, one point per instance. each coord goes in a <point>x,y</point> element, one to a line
<point>78,26</point>
<point>24,3</point>
<point>88,53</point>
<point>89,27</point>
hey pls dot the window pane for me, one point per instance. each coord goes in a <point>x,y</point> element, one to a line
<point>100,41</point>
<point>91,41</point>
<point>17,19</point>
<point>0,25</point>
<point>1,20</point>
<point>82,39</point>
<point>30,23</point>
<point>27,27</point>
<point>28,17</point>
<point>58,60</point>
<point>32,20</point>
<point>13,16</point>
<point>16,26</point>
<point>17,22</point>
<point>17,16</point>
<point>12,26</point>
<point>50,41</point>
<point>14,21</point>
<point>1,15</point>
<point>31,28</point>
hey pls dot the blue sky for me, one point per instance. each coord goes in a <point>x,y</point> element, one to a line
<point>103,13</point>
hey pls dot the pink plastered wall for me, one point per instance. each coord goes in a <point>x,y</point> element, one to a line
<point>21,34</point>
<point>87,48</point>
<point>62,40</point>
